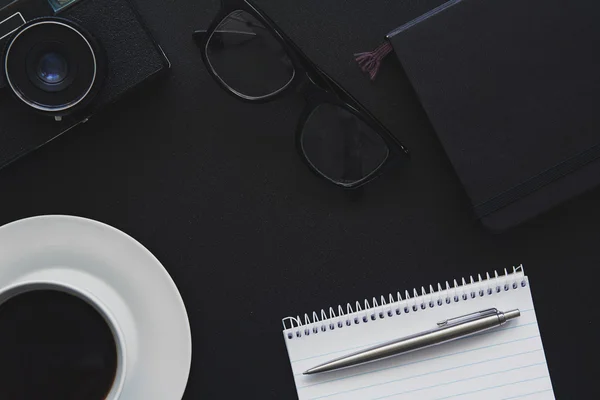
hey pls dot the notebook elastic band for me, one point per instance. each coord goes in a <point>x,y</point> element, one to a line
<point>537,182</point>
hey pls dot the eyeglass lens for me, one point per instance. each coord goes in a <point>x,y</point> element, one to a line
<point>341,146</point>
<point>247,57</point>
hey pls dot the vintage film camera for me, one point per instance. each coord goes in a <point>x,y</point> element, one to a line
<point>63,60</point>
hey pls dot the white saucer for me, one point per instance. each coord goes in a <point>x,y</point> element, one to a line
<point>122,274</point>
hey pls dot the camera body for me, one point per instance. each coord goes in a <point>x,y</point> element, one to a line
<point>61,61</point>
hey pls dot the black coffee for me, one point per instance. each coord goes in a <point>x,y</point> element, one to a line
<point>54,346</point>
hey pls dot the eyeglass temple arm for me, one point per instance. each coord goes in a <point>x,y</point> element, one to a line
<point>341,92</point>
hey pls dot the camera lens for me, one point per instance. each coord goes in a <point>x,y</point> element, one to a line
<point>52,68</point>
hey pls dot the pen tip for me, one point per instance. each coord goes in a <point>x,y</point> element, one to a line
<point>318,369</point>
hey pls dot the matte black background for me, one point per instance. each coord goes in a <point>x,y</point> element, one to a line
<point>214,188</point>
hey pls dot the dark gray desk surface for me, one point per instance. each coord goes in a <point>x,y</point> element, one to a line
<point>214,188</point>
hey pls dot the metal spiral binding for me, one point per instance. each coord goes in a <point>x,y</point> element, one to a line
<point>397,305</point>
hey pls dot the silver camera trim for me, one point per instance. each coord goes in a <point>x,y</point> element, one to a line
<point>37,106</point>
<point>16,29</point>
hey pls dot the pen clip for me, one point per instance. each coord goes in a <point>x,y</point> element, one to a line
<point>468,317</point>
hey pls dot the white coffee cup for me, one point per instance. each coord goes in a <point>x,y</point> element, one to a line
<point>80,291</point>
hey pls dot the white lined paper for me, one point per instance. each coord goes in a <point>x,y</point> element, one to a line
<point>501,364</point>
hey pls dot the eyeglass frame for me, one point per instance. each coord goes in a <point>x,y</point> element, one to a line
<point>306,73</point>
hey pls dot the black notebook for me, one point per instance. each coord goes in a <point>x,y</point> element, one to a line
<point>512,89</point>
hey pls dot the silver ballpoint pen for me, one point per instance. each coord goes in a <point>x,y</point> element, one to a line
<point>446,331</point>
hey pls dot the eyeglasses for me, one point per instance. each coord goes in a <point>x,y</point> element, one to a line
<point>252,59</point>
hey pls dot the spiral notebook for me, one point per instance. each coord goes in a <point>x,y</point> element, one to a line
<point>505,363</point>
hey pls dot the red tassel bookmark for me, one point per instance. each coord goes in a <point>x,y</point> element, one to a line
<point>370,61</point>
